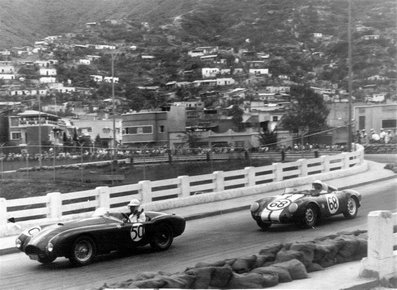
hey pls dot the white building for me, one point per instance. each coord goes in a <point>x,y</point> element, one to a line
<point>209,72</point>
<point>48,71</point>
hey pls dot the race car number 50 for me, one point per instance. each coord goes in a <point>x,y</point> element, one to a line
<point>137,232</point>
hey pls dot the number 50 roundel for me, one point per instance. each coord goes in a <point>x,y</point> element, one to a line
<point>137,232</point>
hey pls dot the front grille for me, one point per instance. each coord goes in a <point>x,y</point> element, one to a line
<point>32,250</point>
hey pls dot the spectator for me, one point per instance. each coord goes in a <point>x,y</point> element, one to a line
<point>364,136</point>
<point>282,154</point>
<point>388,137</point>
<point>382,135</point>
<point>374,136</point>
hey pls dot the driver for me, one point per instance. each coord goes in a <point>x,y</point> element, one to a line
<point>319,187</point>
<point>136,213</point>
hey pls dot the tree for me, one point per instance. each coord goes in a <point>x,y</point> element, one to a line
<point>308,111</point>
<point>237,116</point>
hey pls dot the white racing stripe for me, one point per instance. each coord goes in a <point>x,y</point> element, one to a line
<point>274,209</point>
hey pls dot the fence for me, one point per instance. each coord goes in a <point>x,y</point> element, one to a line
<point>57,206</point>
<point>381,260</point>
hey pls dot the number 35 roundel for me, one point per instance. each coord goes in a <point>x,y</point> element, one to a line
<point>137,232</point>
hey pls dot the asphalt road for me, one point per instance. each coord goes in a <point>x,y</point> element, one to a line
<point>208,239</point>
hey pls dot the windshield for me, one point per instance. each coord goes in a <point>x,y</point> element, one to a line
<point>101,211</point>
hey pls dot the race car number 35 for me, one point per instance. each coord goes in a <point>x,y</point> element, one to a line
<point>137,232</point>
<point>278,204</point>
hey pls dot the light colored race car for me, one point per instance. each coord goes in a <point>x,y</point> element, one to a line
<point>305,207</point>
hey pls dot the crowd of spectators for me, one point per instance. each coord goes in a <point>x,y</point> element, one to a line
<point>97,154</point>
<point>373,137</point>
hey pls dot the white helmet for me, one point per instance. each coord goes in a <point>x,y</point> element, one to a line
<point>134,202</point>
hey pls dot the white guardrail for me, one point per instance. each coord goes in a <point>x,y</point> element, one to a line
<point>381,260</point>
<point>56,206</point>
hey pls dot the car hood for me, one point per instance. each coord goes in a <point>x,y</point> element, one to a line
<point>49,232</point>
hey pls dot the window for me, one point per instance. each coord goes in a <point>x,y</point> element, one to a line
<point>139,130</point>
<point>389,123</point>
<point>161,129</point>
<point>15,135</point>
<point>275,118</point>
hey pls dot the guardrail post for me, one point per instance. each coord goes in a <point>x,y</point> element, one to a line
<point>249,173</point>
<point>278,171</point>
<point>219,181</point>
<point>345,160</point>
<point>145,191</point>
<point>103,196</point>
<point>184,186</point>
<point>379,261</point>
<point>302,167</point>
<point>54,205</point>
<point>325,163</point>
<point>3,212</point>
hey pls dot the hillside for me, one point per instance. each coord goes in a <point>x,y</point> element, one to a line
<point>223,21</point>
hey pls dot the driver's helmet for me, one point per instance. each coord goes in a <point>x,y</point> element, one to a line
<point>134,203</point>
<point>320,186</point>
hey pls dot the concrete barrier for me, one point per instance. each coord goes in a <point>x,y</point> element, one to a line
<point>381,261</point>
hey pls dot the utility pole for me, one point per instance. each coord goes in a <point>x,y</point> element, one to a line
<point>39,131</point>
<point>113,111</point>
<point>349,40</point>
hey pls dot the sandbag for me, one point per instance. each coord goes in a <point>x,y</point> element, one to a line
<point>271,249</point>
<point>179,281</point>
<point>220,277</point>
<point>244,265</point>
<point>246,280</point>
<point>262,259</point>
<point>202,277</point>
<point>295,268</point>
<point>220,263</point>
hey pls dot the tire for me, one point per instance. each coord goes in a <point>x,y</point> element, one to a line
<point>83,251</point>
<point>310,216</point>
<point>352,208</point>
<point>46,260</point>
<point>264,226</point>
<point>162,237</point>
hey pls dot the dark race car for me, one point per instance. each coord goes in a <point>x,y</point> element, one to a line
<point>81,240</point>
<point>305,207</point>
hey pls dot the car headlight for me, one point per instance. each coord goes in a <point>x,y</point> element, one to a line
<point>18,243</point>
<point>50,247</point>
<point>254,207</point>
<point>293,207</point>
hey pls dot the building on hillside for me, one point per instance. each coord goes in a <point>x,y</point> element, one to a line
<point>100,127</point>
<point>34,129</point>
<point>369,117</point>
<point>154,128</point>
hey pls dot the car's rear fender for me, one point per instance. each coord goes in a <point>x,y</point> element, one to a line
<point>177,223</point>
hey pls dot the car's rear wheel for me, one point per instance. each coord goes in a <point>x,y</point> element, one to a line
<point>162,237</point>
<point>83,251</point>
<point>352,208</point>
<point>46,260</point>
<point>264,226</point>
<point>310,216</point>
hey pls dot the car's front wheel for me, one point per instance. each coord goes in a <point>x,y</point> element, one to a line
<point>162,237</point>
<point>83,251</point>
<point>310,217</point>
<point>264,226</point>
<point>352,208</point>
